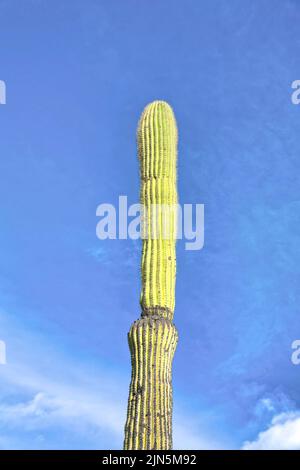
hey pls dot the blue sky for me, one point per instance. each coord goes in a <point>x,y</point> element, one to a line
<point>78,75</point>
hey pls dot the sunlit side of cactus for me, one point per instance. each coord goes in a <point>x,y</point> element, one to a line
<point>153,338</point>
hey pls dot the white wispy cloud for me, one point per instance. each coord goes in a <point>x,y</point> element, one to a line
<point>282,434</point>
<point>80,411</point>
<point>43,387</point>
<point>89,407</point>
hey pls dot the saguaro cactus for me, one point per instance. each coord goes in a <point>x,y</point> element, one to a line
<point>153,337</point>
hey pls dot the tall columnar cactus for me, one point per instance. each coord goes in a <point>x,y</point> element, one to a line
<point>153,337</point>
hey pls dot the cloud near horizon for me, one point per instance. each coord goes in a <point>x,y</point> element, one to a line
<point>282,434</point>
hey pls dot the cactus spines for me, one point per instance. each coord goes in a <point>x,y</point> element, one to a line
<point>153,337</point>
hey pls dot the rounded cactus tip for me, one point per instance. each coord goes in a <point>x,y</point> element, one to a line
<point>163,105</point>
<point>158,108</point>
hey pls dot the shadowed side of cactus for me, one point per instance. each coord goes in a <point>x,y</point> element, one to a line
<point>153,337</point>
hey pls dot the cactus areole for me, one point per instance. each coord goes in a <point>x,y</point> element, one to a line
<point>153,337</point>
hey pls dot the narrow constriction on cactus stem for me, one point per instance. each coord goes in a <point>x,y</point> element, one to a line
<point>153,337</point>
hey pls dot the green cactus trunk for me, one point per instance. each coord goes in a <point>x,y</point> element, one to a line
<point>153,337</point>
